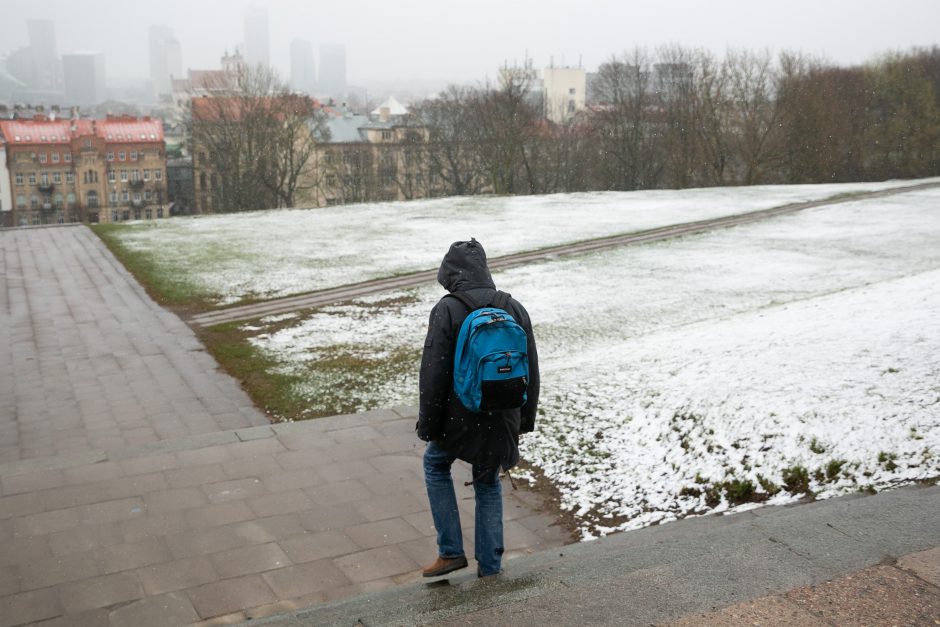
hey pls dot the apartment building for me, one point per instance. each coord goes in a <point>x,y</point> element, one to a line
<point>84,170</point>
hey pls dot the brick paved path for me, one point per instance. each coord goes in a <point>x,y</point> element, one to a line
<point>236,524</point>
<point>134,490</point>
<point>90,362</point>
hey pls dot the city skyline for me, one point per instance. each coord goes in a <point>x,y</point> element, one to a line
<point>421,40</point>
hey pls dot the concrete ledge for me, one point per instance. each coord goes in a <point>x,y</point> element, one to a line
<point>661,573</point>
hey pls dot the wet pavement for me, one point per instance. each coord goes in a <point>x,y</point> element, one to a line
<point>855,560</point>
<point>90,362</point>
<point>139,486</point>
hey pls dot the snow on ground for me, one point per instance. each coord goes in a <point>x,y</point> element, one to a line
<point>233,257</point>
<point>673,369</point>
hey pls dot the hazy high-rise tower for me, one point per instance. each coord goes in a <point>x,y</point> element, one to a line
<point>43,55</point>
<point>166,58</point>
<point>332,71</point>
<point>257,45</point>
<point>84,78</point>
<point>303,71</point>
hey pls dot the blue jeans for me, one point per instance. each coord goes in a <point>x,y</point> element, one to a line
<point>488,536</point>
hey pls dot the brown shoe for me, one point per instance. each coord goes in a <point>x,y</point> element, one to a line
<point>445,565</point>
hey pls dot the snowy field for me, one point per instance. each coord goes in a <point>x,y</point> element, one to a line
<point>230,258</point>
<point>700,374</point>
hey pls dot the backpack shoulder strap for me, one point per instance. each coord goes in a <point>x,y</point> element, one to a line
<point>501,299</point>
<point>469,304</point>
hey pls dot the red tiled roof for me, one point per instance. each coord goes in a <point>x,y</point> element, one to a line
<point>225,108</point>
<point>36,131</point>
<point>112,130</point>
<point>129,130</point>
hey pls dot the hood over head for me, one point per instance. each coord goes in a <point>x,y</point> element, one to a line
<point>464,268</point>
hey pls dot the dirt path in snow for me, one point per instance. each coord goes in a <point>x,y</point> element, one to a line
<point>354,290</point>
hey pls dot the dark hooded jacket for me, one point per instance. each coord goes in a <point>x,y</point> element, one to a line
<point>488,438</point>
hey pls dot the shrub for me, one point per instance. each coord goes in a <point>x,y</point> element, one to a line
<point>796,479</point>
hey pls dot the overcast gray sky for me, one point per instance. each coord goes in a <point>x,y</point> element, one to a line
<point>468,41</point>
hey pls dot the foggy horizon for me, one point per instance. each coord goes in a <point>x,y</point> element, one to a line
<point>420,41</point>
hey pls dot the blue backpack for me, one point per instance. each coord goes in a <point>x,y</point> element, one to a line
<point>491,363</point>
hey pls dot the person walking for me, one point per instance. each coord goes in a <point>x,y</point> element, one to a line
<point>488,440</point>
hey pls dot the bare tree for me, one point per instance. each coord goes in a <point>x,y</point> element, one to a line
<point>253,140</point>
<point>450,152</point>
<point>625,123</point>
<point>754,125</point>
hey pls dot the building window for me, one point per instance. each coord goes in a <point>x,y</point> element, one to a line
<point>135,175</point>
<point>386,135</point>
<point>110,155</point>
<point>21,201</point>
<point>136,196</point>
<point>58,201</point>
<point>133,155</point>
<point>146,175</point>
<point>92,199</point>
<point>69,177</point>
<point>148,214</point>
<point>122,156</point>
<point>112,176</point>
<point>70,199</point>
<point>34,201</point>
<point>571,91</point>
<point>125,195</point>
<point>55,157</point>
<point>42,157</point>
<point>44,179</point>
<point>330,180</point>
<point>158,175</point>
<point>123,175</point>
<point>67,157</point>
<point>32,178</point>
<point>114,216</point>
<point>19,179</point>
<point>146,194</point>
<point>113,197</point>
<point>159,212</point>
<point>57,178</point>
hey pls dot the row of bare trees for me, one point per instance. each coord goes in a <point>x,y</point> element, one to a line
<point>672,118</point>
<point>681,118</point>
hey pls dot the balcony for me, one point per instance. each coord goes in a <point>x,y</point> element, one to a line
<point>46,206</point>
<point>137,204</point>
<point>46,188</point>
<point>136,184</point>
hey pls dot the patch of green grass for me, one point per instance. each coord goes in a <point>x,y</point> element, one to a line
<point>165,285</point>
<point>769,486</point>
<point>271,389</point>
<point>739,491</point>
<point>816,447</point>
<point>887,460</point>
<point>796,479</point>
<point>833,468</point>
<point>346,381</point>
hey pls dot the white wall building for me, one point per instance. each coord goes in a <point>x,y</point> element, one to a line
<point>564,91</point>
<point>6,192</point>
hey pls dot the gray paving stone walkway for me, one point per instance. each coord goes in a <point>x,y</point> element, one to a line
<point>231,525</point>
<point>90,362</point>
<point>138,486</point>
